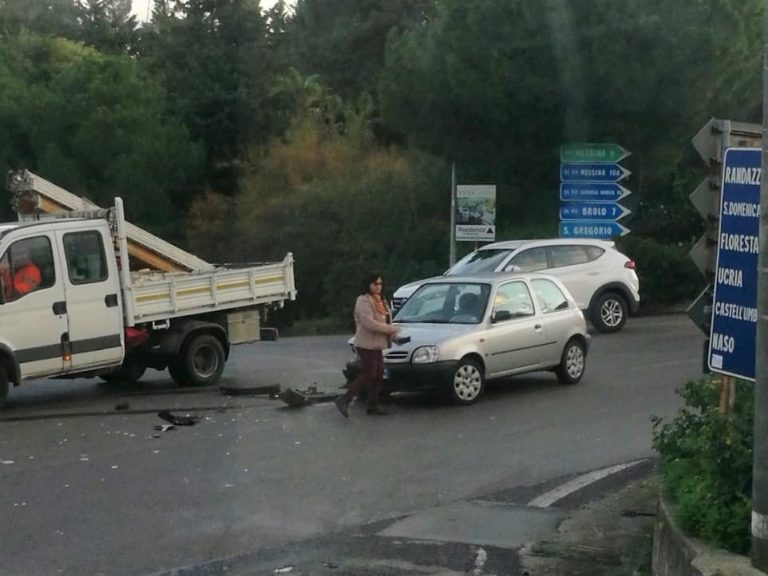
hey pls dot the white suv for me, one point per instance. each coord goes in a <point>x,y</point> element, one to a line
<point>602,280</point>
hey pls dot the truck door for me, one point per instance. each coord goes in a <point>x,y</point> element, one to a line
<point>33,319</point>
<point>92,289</point>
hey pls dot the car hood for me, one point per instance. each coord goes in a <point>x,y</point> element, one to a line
<point>429,334</point>
<point>408,290</point>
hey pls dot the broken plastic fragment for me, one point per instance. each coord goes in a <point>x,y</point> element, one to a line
<point>178,420</point>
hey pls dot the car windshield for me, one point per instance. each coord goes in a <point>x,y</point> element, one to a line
<point>446,303</point>
<point>479,261</point>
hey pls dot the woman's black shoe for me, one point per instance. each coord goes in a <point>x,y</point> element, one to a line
<point>342,403</point>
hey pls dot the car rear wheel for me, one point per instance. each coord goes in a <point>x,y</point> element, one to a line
<point>573,363</point>
<point>467,383</point>
<point>609,312</point>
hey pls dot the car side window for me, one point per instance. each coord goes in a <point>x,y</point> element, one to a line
<point>86,261</point>
<point>27,266</point>
<point>514,298</point>
<point>568,255</point>
<point>531,260</point>
<point>550,297</point>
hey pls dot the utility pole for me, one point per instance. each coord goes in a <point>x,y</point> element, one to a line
<point>760,452</point>
<point>452,250</point>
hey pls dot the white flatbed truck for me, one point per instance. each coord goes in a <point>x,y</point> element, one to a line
<point>90,315</point>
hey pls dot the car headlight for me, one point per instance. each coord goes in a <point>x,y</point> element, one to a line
<point>426,355</point>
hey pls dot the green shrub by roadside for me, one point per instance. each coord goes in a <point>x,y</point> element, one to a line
<point>667,273</point>
<point>706,462</point>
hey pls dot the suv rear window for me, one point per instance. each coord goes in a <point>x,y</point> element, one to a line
<point>568,255</point>
<point>593,252</point>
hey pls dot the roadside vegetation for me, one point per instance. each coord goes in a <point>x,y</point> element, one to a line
<point>328,127</point>
<point>706,462</point>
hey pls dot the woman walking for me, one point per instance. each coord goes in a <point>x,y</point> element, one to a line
<point>373,334</point>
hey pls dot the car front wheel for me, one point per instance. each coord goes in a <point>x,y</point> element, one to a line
<point>609,313</point>
<point>467,383</point>
<point>572,363</point>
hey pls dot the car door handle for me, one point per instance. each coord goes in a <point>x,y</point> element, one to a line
<point>59,308</point>
<point>110,300</point>
<point>537,327</point>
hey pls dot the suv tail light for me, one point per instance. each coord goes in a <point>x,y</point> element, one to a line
<point>630,264</point>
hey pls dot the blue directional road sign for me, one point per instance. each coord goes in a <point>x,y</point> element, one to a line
<point>592,229</point>
<point>734,310</point>
<point>607,211</point>
<point>592,191</point>
<point>592,172</point>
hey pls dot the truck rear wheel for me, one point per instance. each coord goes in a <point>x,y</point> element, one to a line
<point>4,386</point>
<point>200,363</point>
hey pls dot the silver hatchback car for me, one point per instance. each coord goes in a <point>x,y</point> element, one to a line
<point>459,332</point>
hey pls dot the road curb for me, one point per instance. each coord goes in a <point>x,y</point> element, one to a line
<point>675,554</point>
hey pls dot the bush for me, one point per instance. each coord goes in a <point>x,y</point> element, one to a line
<point>706,460</point>
<point>343,206</point>
<point>667,273</point>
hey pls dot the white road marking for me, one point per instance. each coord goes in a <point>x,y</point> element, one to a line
<point>548,498</point>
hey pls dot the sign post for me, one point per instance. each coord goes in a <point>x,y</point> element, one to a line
<point>592,153</point>
<point>760,452</point>
<point>476,213</point>
<point>734,320</point>
<point>452,248</point>
<point>590,190</point>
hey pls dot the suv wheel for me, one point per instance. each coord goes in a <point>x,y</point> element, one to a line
<point>609,312</point>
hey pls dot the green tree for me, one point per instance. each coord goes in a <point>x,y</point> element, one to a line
<point>96,125</point>
<point>341,203</point>
<point>497,85</point>
<point>213,61</point>
<point>108,25</point>
<point>45,17</point>
<point>343,42</point>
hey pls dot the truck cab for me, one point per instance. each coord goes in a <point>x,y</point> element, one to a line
<point>60,305</point>
<point>83,292</point>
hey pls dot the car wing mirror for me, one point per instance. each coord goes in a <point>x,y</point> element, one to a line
<point>501,316</point>
<point>512,268</point>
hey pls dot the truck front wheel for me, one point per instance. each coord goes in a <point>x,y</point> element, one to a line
<point>200,363</point>
<point>131,371</point>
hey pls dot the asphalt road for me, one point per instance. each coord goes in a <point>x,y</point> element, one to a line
<point>85,489</point>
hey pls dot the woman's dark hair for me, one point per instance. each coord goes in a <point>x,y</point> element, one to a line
<point>368,279</point>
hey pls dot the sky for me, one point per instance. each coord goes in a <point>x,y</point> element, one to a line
<point>143,8</point>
